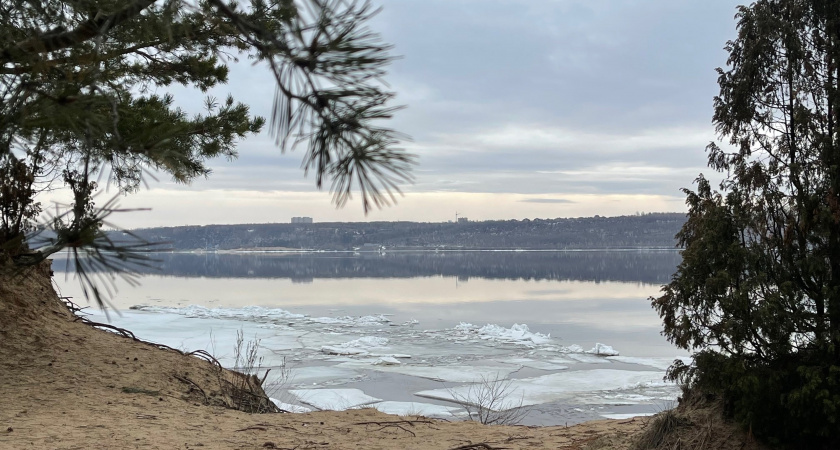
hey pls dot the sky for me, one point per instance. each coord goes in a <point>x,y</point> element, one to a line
<point>516,109</point>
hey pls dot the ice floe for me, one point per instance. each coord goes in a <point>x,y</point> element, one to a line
<point>418,409</point>
<point>252,313</point>
<point>535,364</point>
<point>553,387</point>
<point>387,361</point>
<point>516,334</point>
<point>619,416</point>
<point>334,399</point>
<point>449,373</point>
<point>327,353</point>
<point>289,407</point>
<point>603,350</point>
<point>659,363</point>
<point>359,346</point>
<point>374,320</point>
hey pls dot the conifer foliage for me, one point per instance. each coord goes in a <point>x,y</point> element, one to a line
<point>84,103</point>
<point>758,292</point>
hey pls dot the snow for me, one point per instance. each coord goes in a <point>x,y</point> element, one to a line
<point>334,399</point>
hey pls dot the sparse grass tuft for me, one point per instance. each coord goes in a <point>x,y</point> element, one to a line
<point>659,428</point>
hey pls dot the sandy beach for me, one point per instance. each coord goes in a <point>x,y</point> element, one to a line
<point>69,385</point>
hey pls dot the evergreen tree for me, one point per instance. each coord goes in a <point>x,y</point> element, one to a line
<point>758,291</point>
<point>80,105</point>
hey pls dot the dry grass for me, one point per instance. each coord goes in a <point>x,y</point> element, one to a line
<point>697,423</point>
<point>659,428</point>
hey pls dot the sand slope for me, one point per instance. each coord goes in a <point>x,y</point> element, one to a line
<point>67,385</point>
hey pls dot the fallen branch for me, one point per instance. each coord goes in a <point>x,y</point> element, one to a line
<point>191,382</point>
<point>253,427</point>
<point>478,446</point>
<point>392,422</point>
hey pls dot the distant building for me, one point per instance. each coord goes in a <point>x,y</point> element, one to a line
<point>301,220</point>
<point>463,220</point>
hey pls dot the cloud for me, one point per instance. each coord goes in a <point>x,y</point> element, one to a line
<point>519,108</point>
<point>546,200</point>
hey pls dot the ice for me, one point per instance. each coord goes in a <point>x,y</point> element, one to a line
<point>374,320</point>
<point>370,348</point>
<point>334,399</point>
<point>587,358</point>
<point>387,361</point>
<point>307,376</point>
<point>553,387</point>
<point>254,313</point>
<point>516,334</point>
<point>625,416</point>
<point>534,364</point>
<point>290,407</point>
<point>215,336</point>
<point>451,373</point>
<point>574,348</point>
<point>417,409</point>
<point>333,350</point>
<point>659,363</point>
<point>357,346</point>
<point>603,350</point>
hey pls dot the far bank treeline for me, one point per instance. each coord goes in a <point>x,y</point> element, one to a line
<point>654,230</point>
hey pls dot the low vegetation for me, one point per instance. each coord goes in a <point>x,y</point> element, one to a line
<point>492,401</point>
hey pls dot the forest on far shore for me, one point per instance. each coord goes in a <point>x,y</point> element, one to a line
<point>653,230</point>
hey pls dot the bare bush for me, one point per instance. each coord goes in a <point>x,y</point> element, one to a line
<point>489,401</point>
<point>243,384</point>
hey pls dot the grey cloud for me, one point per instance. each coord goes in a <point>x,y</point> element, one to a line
<point>546,200</point>
<point>596,65</point>
<point>604,68</point>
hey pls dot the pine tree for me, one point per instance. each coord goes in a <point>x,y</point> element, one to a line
<point>80,106</point>
<point>758,291</point>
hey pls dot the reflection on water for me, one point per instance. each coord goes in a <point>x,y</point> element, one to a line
<point>653,267</point>
<point>581,297</point>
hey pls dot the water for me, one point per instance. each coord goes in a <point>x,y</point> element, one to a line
<point>411,306</point>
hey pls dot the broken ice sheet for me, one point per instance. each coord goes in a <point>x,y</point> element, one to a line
<point>516,334</point>
<point>288,407</point>
<point>360,346</point>
<point>661,363</point>
<point>418,409</point>
<point>550,388</point>
<point>625,416</point>
<point>334,399</point>
<point>454,374</point>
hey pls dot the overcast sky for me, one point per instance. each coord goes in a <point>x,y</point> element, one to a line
<point>516,109</point>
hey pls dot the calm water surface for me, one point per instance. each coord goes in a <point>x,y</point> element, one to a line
<point>580,297</point>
